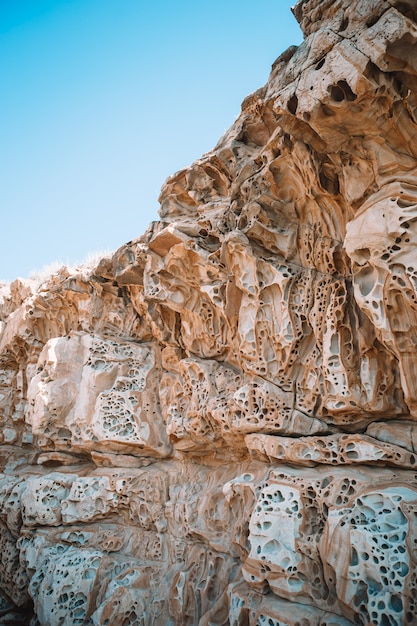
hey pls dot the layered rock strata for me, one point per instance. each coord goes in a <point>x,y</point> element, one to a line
<point>217,424</point>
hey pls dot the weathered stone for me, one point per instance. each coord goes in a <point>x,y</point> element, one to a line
<point>88,391</point>
<point>216,424</point>
<point>340,449</point>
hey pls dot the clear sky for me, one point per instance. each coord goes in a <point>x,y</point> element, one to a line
<point>102,100</point>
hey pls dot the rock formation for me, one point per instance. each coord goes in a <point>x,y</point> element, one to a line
<point>217,424</point>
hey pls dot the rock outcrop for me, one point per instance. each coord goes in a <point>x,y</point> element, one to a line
<point>217,424</point>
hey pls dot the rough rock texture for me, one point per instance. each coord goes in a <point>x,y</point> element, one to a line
<point>217,425</point>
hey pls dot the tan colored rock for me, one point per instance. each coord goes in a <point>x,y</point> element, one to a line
<point>381,243</point>
<point>340,449</point>
<point>402,433</point>
<point>89,391</point>
<point>216,424</point>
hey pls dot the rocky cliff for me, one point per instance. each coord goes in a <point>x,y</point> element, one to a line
<point>217,425</point>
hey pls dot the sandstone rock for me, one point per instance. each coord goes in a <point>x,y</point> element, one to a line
<point>216,425</point>
<point>88,391</point>
<point>340,449</point>
<point>402,433</point>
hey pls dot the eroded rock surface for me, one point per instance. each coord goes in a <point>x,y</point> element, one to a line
<point>217,424</point>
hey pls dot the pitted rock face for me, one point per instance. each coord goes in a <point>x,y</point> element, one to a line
<point>88,391</point>
<point>217,424</point>
<point>381,241</point>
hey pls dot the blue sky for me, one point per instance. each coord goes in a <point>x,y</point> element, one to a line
<point>102,100</point>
